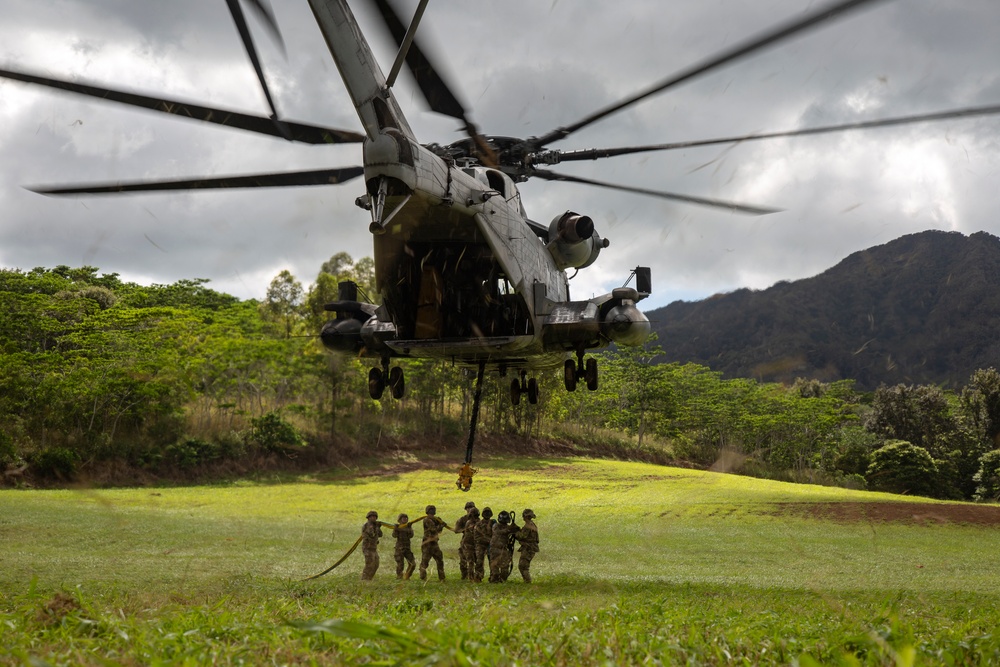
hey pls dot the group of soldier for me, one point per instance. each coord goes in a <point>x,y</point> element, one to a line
<point>484,539</point>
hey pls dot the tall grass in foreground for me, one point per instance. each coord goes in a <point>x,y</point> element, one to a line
<point>639,564</point>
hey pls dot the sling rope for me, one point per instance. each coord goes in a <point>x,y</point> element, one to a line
<point>355,545</point>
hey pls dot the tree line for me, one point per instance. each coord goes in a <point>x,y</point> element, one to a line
<point>97,372</point>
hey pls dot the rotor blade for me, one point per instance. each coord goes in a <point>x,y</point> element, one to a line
<point>310,134</point>
<point>267,18</point>
<point>276,180</point>
<point>244,30</point>
<point>773,36</point>
<point>438,94</point>
<point>700,201</point>
<point>435,90</point>
<point>595,153</point>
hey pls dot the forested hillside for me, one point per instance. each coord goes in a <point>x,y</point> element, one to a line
<point>921,309</point>
<point>111,382</point>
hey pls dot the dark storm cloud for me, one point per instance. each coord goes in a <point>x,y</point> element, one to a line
<point>524,68</point>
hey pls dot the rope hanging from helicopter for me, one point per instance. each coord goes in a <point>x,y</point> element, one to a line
<point>466,472</point>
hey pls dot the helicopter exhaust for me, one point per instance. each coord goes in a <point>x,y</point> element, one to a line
<point>573,241</point>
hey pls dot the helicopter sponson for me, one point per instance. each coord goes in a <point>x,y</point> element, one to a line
<point>622,321</point>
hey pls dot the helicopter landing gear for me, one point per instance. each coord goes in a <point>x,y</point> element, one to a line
<point>397,383</point>
<point>523,386</point>
<point>569,375</point>
<point>378,378</point>
<point>578,370</point>
<point>376,383</point>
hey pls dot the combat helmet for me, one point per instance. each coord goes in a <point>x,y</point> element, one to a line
<point>503,518</point>
<point>372,514</point>
<point>430,509</point>
<point>527,514</point>
<point>403,518</point>
<point>474,513</point>
<point>487,513</point>
<point>469,505</point>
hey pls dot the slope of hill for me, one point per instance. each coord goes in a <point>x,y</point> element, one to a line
<point>921,309</point>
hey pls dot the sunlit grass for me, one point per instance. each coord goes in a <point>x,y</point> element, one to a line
<point>637,560</point>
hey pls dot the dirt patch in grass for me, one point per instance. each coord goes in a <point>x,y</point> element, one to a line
<point>890,512</point>
<point>55,609</point>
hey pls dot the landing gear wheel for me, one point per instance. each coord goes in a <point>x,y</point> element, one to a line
<point>515,392</point>
<point>569,375</point>
<point>591,374</point>
<point>376,383</point>
<point>532,391</point>
<point>397,383</point>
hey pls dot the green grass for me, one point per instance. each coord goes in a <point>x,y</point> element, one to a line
<point>639,564</point>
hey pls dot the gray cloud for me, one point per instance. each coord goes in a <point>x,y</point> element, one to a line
<point>524,67</point>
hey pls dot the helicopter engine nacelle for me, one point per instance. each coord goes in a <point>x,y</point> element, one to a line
<point>573,241</point>
<point>622,321</point>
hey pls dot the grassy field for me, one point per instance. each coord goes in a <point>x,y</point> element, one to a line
<point>640,564</point>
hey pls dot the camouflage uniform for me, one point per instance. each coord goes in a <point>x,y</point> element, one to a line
<point>467,549</point>
<point>370,532</point>
<point>528,537</point>
<point>484,532</point>
<point>403,552</point>
<point>500,554</point>
<point>429,547</point>
<point>460,528</point>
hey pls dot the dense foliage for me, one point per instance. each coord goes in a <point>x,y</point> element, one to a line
<point>97,372</point>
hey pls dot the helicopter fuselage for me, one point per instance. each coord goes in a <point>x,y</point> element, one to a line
<point>462,272</point>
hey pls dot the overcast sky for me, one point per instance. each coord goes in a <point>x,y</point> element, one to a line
<point>524,67</point>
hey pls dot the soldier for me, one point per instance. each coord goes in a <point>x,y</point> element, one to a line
<point>460,528</point>
<point>501,549</point>
<point>528,537</point>
<point>467,549</point>
<point>370,532</point>
<point>429,547</point>
<point>484,532</point>
<point>403,532</point>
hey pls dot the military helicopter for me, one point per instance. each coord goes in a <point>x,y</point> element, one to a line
<point>462,271</point>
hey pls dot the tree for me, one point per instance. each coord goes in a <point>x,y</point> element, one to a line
<point>902,467</point>
<point>322,292</point>
<point>338,265</point>
<point>988,477</point>
<point>643,396</point>
<point>917,414</point>
<point>981,406</point>
<point>283,300</point>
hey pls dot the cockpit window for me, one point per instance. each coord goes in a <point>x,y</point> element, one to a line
<point>497,182</point>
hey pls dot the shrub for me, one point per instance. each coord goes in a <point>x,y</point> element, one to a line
<point>855,451</point>
<point>274,434</point>
<point>853,481</point>
<point>901,467</point>
<point>55,463</point>
<point>192,452</point>
<point>988,477</point>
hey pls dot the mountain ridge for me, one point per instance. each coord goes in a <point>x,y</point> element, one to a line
<point>921,309</point>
